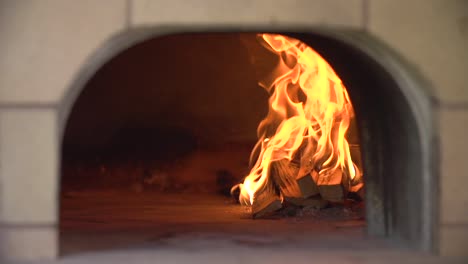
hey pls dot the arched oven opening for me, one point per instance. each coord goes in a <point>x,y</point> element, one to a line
<point>156,147</point>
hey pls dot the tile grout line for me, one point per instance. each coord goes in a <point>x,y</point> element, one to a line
<point>365,15</point>
<point>11,225</point>
<point>452,106</point>
<point>128,14</point>
<point>452,224</point>
<point>28,106</point>
<point>437,103</point>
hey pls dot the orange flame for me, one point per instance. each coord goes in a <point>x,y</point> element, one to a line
<point>309,115</point>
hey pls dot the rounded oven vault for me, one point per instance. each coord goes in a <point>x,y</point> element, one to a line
<point>393,117</point>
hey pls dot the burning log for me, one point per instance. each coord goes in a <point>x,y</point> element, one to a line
<point>357,182</point>
<point>357,195</point>
<point>332,193</point>
<point>357,185</point>
<point>283,173</point>
<point>268,200</point>
<point>307,185</point>
<point>265,203</point>
<point>302,150</point>
<point>330,185</point>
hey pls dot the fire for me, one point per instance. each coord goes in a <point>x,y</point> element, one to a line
<point>305,128</point>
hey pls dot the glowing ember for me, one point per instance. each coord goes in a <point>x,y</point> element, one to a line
<point>304,132</point>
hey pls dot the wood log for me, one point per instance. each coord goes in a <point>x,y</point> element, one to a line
<point>357,194</point>
<point>356,188</point>
<point>333,193</point>
<point>265,202</point>
<point>357,183</point>
<point>331,187</point>
<point>307,185</point>
<point>283,173</point>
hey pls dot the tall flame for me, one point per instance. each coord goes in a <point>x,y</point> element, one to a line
<point>309,115</point>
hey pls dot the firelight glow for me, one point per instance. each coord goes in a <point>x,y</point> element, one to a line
<point>309,115</point>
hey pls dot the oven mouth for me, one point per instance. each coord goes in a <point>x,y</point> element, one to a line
<point>148,209</point>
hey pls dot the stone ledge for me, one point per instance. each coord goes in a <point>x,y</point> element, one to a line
<point>28,243</point>
<point>454,240</point>
<point>453,170</point>
<point>347,13</point>
<point>430,34</point>
<point>28,166</point>
<point>46,43</point>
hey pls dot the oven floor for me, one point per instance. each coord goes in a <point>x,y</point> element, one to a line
<point>123,227</point>
<point>105,220</point>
